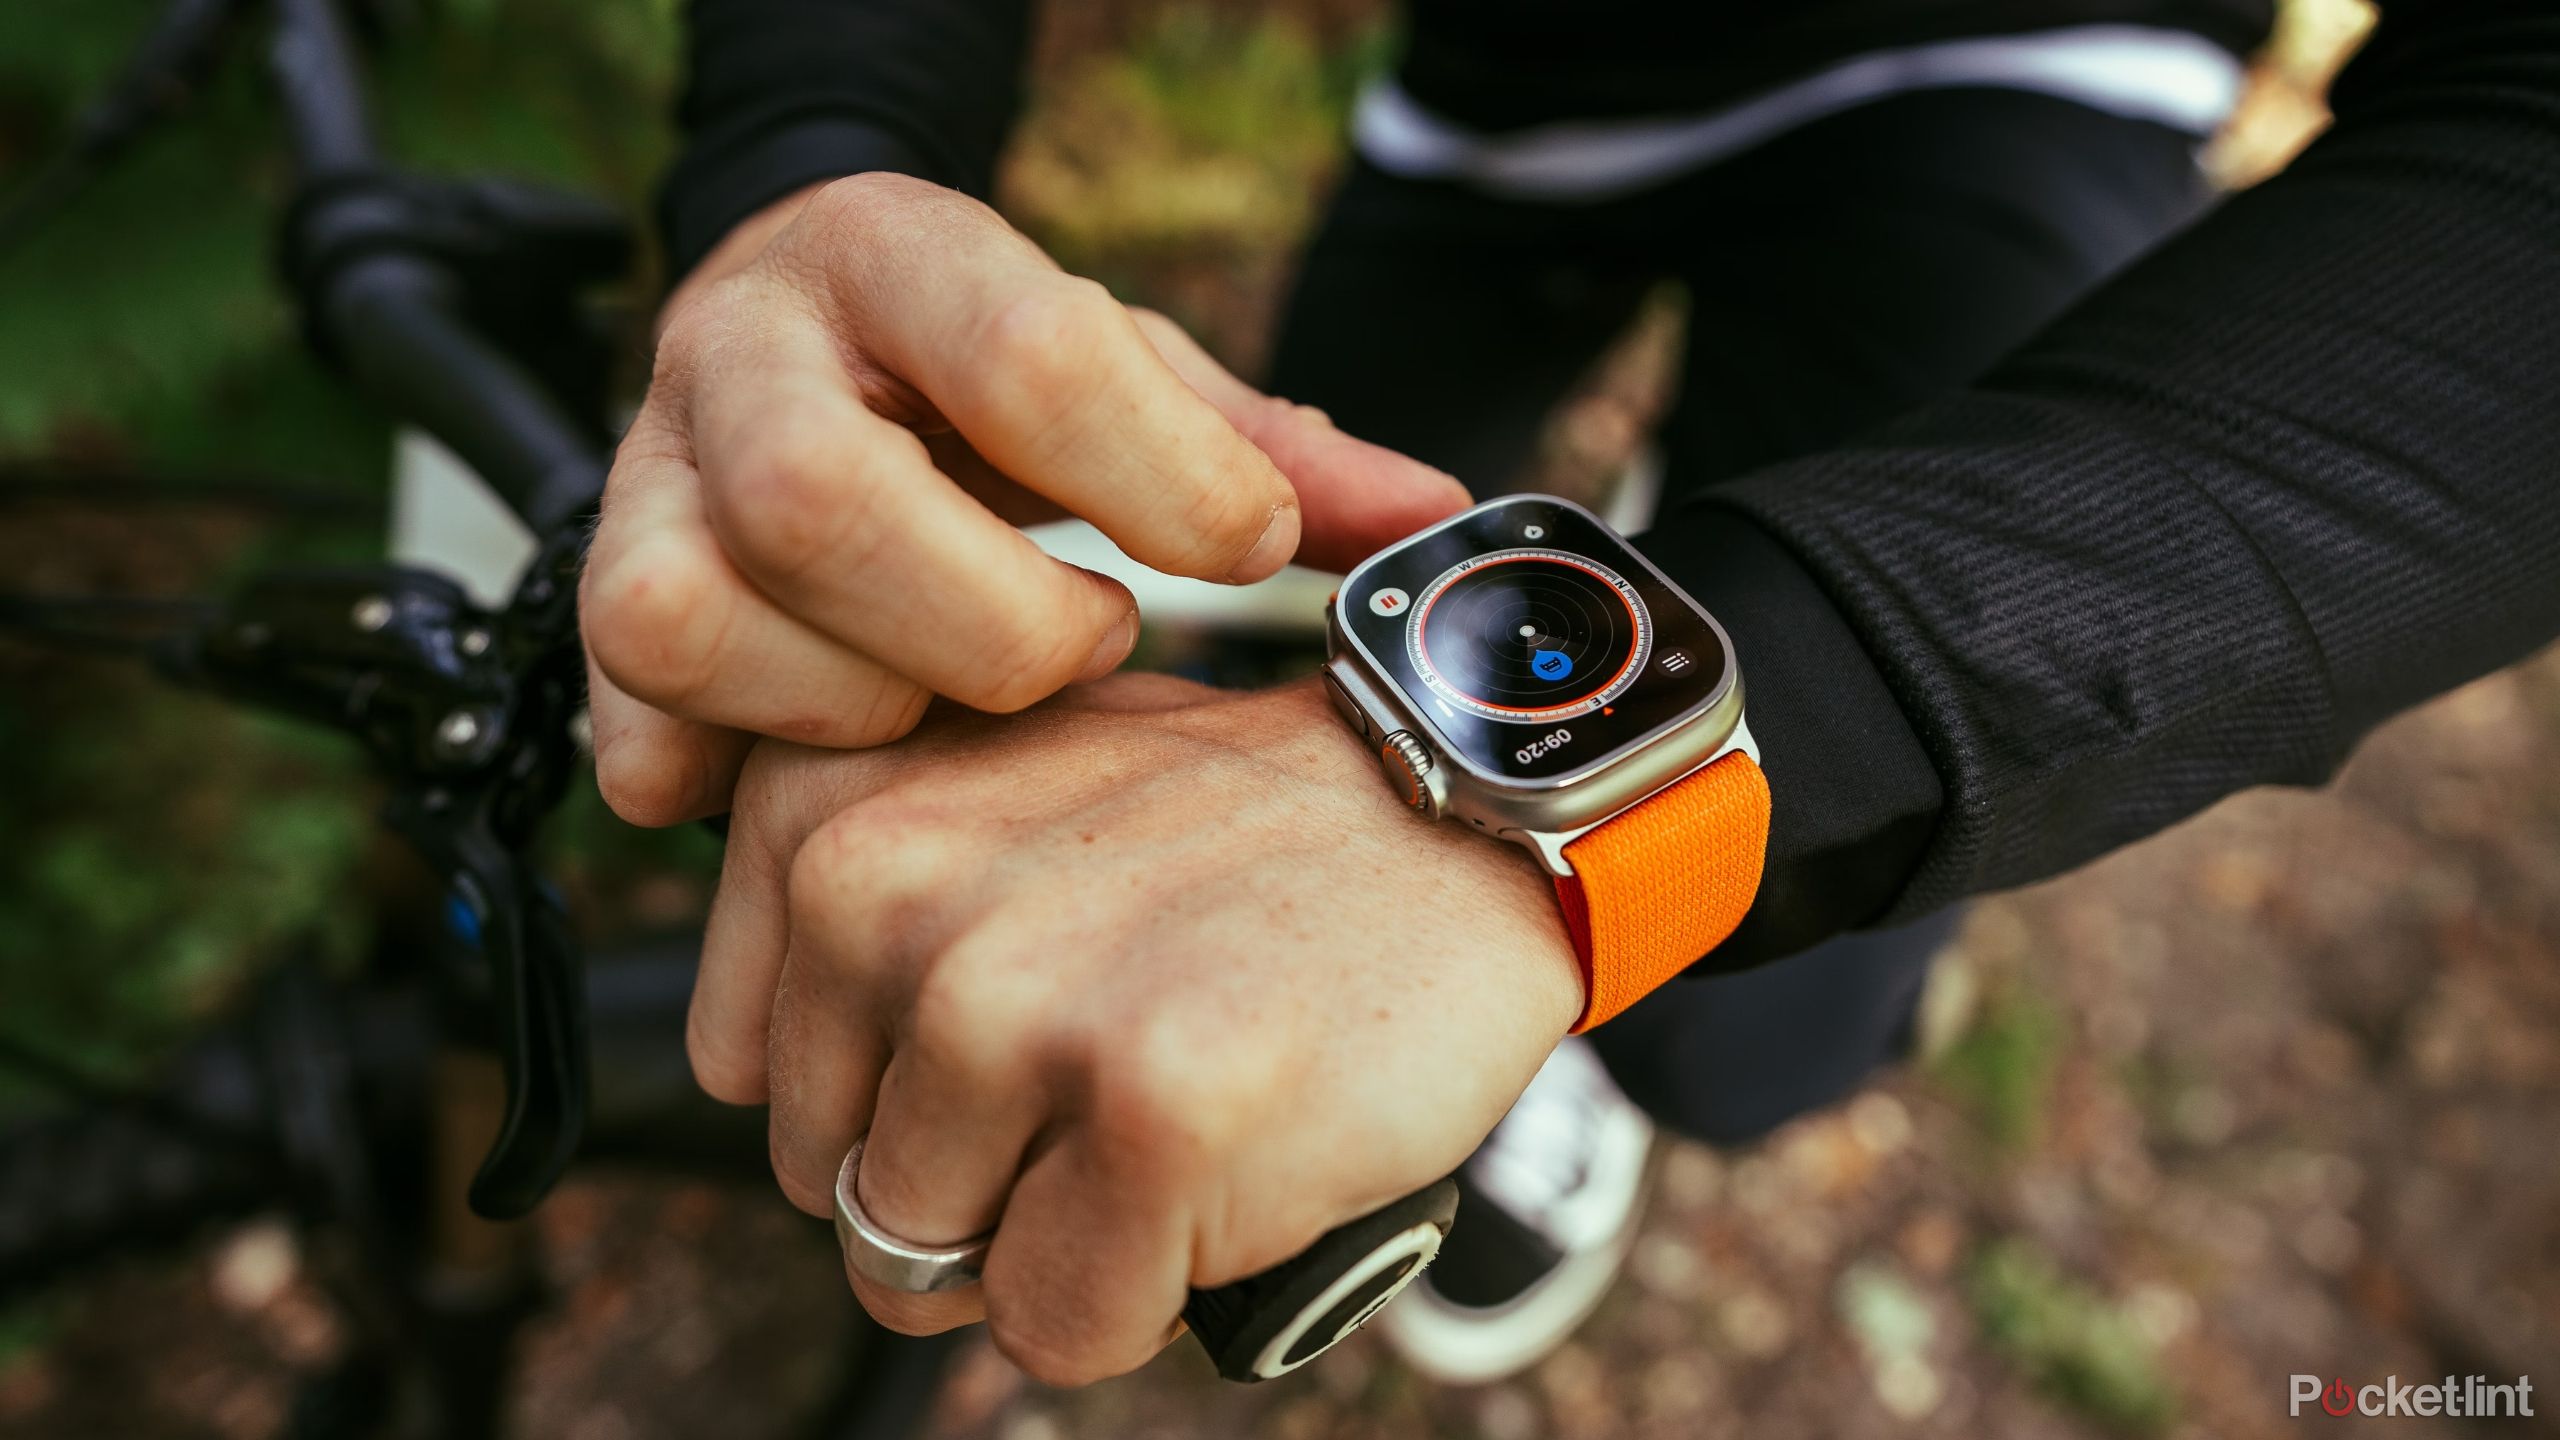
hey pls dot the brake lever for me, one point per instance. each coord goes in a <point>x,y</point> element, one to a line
<point>497,904</point>
<point>537,991</point>
<point>470,712</point>
<point>528,982</point>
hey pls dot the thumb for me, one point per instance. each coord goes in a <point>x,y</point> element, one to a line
<point>1353,497</point>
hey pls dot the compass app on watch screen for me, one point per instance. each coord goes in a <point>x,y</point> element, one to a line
<point>1529,635</point>
<point>1536,642</point>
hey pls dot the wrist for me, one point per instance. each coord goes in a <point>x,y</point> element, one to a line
<point>1543,968</point>
<point>733,172</point>
<point>736,250</point>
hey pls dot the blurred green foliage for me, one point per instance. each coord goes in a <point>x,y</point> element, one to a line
<point>153,875</point>
<point>25,1326</point>
<point>2002,1067</point>
<point>162,843</point>
<point>144,316</point>
<point>2077,1346</point>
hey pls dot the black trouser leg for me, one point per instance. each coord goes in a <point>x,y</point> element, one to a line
<point>1728,1058</point>
<point>1846,272</point>
<point>1447,326</point>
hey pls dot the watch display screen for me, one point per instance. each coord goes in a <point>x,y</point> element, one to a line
<point>1531,638</point>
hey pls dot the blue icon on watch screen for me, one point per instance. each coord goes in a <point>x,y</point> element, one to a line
<point>1551,664</point>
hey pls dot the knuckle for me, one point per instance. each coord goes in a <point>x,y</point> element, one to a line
<point>977,1013</point>
<point>1043,341</point>
<point>680,345</point>
<point>730,317</point>
<point>648,785</point>
<point>866,869</point>
<point>1164,1103</point>
<point>857,200</point>
<point>844,203</point>
<point>844,851</point>
<point>1295,412</point>
<point>727,1071</point>
<point>1051,326</point>
<point>689,332</point>
<point>956,1025</point>
<point>794,505</point>
<point>653,613</point>
<point>827,876</point>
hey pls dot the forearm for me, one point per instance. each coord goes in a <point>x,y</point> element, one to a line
<point>2287,476</point>
<point>783,94</point>
<point>1854,796</point>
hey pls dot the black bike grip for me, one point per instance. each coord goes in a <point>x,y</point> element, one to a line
<point>1272,1323</point>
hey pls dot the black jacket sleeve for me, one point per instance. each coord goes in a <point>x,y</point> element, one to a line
<point>785,93</point>
<point>2292,473</point>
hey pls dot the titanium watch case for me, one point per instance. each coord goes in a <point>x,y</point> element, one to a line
<point>1435,776</point>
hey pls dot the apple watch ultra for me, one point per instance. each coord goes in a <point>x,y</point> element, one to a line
<point>1521,669</point>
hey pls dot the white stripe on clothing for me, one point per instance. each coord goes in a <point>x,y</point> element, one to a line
<point>2140,72</point>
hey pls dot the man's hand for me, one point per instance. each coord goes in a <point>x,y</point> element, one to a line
<point>1157,981</point>
<point>809,531</point>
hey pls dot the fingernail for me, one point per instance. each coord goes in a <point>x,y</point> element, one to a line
<point>1279,541</point>
<point>1111,649</point>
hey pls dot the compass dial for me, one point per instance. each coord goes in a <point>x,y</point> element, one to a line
<point>1529,635</point>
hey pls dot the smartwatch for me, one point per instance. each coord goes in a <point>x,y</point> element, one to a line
<point>1520,669</point>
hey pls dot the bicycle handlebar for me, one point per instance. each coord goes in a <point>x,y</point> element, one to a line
<point>397,322</point>
<point>320,88</point>
<point>393,309</point>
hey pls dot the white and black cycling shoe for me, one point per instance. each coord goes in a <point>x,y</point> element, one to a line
<point>1547,1208</point>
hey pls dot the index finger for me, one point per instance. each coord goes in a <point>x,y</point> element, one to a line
<point>1054,384</point>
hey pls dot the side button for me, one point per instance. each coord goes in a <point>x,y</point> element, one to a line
<point>1342,703</point>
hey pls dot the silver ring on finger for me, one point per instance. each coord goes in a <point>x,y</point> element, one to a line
<point>892,1263</point>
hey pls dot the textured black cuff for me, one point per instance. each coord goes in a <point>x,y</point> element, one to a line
<point>1854,798</point>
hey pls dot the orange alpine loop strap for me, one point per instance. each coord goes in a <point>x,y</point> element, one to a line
<point>1665,882</point>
